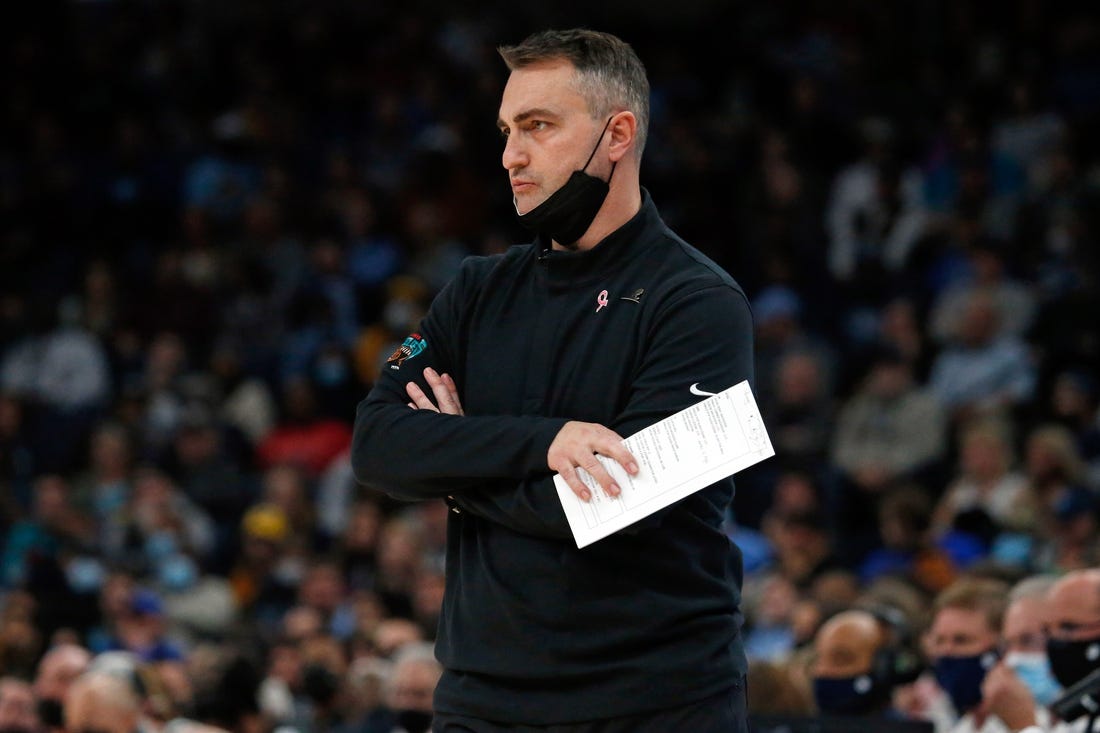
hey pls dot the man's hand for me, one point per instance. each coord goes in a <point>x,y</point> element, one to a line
<point>1005,695</point>
<point>576,446</point>
<point>444,390</point>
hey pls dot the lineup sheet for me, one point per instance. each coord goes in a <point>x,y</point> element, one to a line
<point>677,456</point>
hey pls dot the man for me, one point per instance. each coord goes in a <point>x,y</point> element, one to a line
<point>962,645</point>
<point>855,669</point>
<point>1024,641</point>
<point>1072,646</point>
<point>991,697</point>
<point>537,360</point>
<point>17,713</point>
<point>890,428</point>
<point>101,702</point>
<point>409,689</point>
<point>56,672</point>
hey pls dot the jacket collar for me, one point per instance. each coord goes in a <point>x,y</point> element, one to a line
<point>564,268</point>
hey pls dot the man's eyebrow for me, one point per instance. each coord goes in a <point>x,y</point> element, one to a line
<point>528,114</point>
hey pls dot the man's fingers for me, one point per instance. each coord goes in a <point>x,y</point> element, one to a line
<point>574,480</point>
<point>419,398</point>
<point>452,388</point>
<point>446,396</point>
<point>603,478</point>
<point>615,449</point>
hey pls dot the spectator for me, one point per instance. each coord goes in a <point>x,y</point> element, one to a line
<point>54,526</point>
<point>158,523</point>
<point>778,689</point>
<point>981,371</point>
<point>1024,639</point>
<point>1054,469</point>
<point>770,603</point>
<point>367,679</point>
<point>17,706</point>
<point>986,481</point>
<point>889,431</point>
<point>802,549</point>
<point>800,419</point>
<point>890,428</point>
<point>410,687</point>
<point>359,545</point>
<point>101,701</point>
<point>1073,403</point>
<point>909,550</point>
<point>246,401</point>
<point>856,669</point>
<point>57,671</point>
<point>303,438</point>
<point>962,645</point>
<point>106,486</point>
<point>780,331</point>
<point>1013,301</point>
<point>140,630</point>
<point>18,462</point>
<point>875,215</point>
<point>266,571</point>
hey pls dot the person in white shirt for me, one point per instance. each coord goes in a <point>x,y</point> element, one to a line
<point>1072,631</point>
<point>963,647</point>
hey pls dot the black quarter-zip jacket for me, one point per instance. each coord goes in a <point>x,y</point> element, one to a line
<point>534,630</point>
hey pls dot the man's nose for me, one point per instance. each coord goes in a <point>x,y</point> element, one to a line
<point>514,156</point>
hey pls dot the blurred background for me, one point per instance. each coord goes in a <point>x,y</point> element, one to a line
<point>217,220</point>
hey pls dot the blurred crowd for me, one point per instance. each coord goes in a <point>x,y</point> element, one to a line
<point>217,220</point>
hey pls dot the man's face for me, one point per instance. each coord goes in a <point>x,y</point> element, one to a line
<point>1023,627</point>
<point>842,651</point>
<point>1074,609</point>
<point>959,632</point>
<point>413,685</point>
<point>549,132</point>
<point>57,671</point>
<point>86,715</point>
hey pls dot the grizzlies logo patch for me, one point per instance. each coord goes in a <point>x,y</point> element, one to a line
<point>413,345</point>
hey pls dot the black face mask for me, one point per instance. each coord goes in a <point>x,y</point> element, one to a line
<point>319,684</point>
<point>567,214</point>
<point>51,713</point>
<point>961,678</point>
<point>1072,661</point>
<point>857,695</point>
<point>414,721</point>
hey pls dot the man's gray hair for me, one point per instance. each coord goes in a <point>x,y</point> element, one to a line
<point>610,76</point>
<point>1034,586</point>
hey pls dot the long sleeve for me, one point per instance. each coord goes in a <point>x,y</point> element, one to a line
<point>416,454</point>
<point>704,337</point>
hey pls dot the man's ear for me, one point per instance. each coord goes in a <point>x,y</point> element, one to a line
<point>623,128</point>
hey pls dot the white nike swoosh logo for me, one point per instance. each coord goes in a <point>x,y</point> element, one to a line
<point>694,389</point>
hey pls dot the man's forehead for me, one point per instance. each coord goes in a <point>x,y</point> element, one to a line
<point>1078,597</point>
<point>955,618</point>
<point>547,85</point>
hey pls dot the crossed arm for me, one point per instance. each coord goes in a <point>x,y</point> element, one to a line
<point>575,446</point>
<point>500,468</point>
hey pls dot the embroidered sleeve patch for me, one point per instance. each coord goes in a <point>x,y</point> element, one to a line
<point>414,344</point>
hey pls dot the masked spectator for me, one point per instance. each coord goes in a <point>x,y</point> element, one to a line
<point>962,645</point>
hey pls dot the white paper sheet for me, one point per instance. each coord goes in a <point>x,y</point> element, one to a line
<point>677,456</point>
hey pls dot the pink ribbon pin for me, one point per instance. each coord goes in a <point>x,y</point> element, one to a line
<point>601,300</point>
